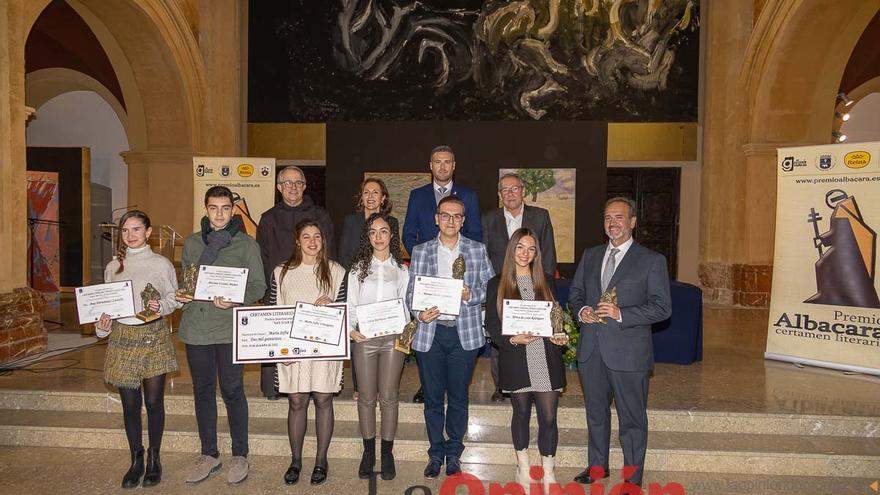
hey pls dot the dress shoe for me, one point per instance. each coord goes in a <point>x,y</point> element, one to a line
<point>432,470</point>
<point>368,459</point>
<point>498,396</point>
<point>132,477</point>
<point>453,465</point>
<point>584,477</point>
<point>153,474</point>
<point>419,398</point>
<point>291,476</point>
<point>388,470</point>
<point>319,475</point>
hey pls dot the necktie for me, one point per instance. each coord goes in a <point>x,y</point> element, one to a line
<point>442,191</point>
<point>609,268</point>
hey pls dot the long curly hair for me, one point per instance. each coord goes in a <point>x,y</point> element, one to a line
<point>364,255</point>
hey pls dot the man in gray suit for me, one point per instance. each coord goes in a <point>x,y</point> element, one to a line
<point>500,223</point>
<point>615,359</point>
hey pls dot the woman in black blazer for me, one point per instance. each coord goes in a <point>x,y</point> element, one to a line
<point>530,367</point>
<point>372,198</point>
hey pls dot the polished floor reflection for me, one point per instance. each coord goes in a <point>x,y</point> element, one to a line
<point>733,376</point>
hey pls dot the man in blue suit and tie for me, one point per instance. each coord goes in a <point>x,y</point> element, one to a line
<point>419,225</point>
<point>615,354</point>
<point>447,345</point>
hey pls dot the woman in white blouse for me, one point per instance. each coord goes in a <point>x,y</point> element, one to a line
<point>377,274</point>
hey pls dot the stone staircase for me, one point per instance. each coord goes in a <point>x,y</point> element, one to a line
<point>738,446</point>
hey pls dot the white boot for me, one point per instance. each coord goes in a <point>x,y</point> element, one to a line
<point>547,461</point>
<point>522,470</point>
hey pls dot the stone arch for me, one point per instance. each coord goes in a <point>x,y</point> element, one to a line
<point>793,66</point>
<point>43,85</point>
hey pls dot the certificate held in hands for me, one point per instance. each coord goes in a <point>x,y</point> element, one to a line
<point>444,293</point>
<point>381,318</point>
<point>527,318</point>
<point>115,298</point>
<point>322,324</point>
<point>223,281</point>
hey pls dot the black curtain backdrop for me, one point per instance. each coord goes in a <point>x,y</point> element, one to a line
<point>67,162</point>
<point>481,148</point>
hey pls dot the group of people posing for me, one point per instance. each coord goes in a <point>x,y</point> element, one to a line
<point>509,253</point>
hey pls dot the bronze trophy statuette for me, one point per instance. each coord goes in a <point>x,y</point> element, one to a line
<point>609,296</point>
<point>188,284</point>
<point>557,321</point>
<point>458,268</point>
<point>149,294</point>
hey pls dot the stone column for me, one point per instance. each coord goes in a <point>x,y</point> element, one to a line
<point>160,183</point>
<point>220,30</point>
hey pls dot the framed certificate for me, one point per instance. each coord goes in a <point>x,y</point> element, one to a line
<point>224,281</point>
<point>114,298</point>
<point>262,335</point>
<point>526,318</point>
<point>445,293</point>
<point>323,324</point>
<point>381,318</point>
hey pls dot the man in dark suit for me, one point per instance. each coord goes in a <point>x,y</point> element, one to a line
<point>419,225</point>
<point>500,223</point>
<point>615,358</point>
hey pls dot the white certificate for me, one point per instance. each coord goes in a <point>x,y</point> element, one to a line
<point>116,299</point>
<point>445,293</point>
<point>224,281</point>
<point>381,318</point>
<point>526,318</point>
<point>318,323</point>
<point>262,335</point>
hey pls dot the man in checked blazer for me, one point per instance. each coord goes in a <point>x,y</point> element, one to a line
<point>615,358</point>
<point>447,346</point>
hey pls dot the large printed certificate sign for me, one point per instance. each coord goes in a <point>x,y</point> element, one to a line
<point>526,318</point>
<point>262,335</point>
<point>322,324</point>
<point>824,304</point>
<point>227,282</point>
<point>445,293</point>
<point>115,298</point>
<point>381,318</point>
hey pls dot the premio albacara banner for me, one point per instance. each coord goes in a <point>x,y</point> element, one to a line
<point>252,181</point>
<point>824,306</point>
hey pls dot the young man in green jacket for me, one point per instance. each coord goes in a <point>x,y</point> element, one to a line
<point>206,329</point>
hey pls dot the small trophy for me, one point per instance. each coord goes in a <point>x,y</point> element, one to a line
<point>557,321</point>
<point>188,286</point>
<point>458,268</point>
<point>609,296</point>
<point>404,342</point>
<point>148,294</point>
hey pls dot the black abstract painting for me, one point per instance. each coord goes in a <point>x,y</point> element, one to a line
<point>365,60</point>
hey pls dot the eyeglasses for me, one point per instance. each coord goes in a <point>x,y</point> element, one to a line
<point>446,217</point>
<point>290,184</point>
<point>511,189</point>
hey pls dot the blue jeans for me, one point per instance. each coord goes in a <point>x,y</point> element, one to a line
<point>446,369</point>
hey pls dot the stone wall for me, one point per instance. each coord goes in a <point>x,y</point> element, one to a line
<point>21,324</point>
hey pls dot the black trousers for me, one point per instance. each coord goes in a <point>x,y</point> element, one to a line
<point>206,364</point>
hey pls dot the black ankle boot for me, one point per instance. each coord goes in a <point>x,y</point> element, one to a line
<point>368,459</point>
<point>133,477</point>
<point>387,460</point>
<point>153,475</point>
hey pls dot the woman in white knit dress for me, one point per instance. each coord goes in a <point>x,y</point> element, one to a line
<point>140,354</point>
<point>308,276</point>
